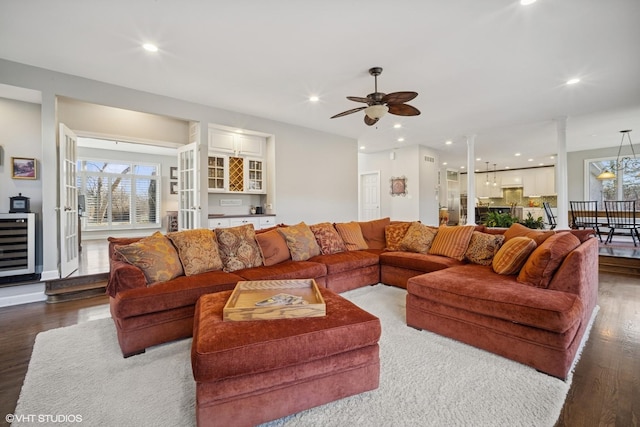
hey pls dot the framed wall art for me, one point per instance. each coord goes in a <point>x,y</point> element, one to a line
<point>399,186</point>
<point>173,188</point>
<point>23,168</point>
<point>173,172</point>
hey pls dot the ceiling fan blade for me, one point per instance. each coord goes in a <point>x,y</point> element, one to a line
<point>399,97</point>
<point>403,110</point>
<point>369,121</point>
<point>358,99</point>
<point>344,113</point>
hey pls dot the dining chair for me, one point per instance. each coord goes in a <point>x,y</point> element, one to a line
<point>483,213</point>
<point>584,214</point>
<point>551,218</point>
<point>621,215</point>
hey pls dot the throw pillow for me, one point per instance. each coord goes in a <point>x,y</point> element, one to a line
<point>373,232</point>
<point>238,247</point>
<point>394,233</point>
<point>273,247</point>
<point>520,230</point>
<point>452,242</point>
<point>301,241</point>
<point>197,249</point>
<point>546,259</point>
<point>512,255</point>
<point>418,238</point>
<point>328,238</point>
<point>155,256</point>
<point>483,247</point>
<point>351,235</point>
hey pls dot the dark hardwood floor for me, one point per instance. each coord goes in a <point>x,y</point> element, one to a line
<point>606,383</point>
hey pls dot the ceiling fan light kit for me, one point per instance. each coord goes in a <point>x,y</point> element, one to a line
<point>379,104</point>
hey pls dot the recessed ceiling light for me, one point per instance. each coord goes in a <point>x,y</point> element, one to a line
<point>362,147</point>
<point>461,167</point>
<point>530,160</point>
<point>314,98</point>
<point>552,157</point>
<point>478,159</point>
<point>149,47</point>
<point>449,142</point>
<point>401,139</point>
<point>397,126</point>
<point>540,164</point>
<point>517,154</point>
<point>527,2</point>
<point>573,81</point>
<point>507,167</point>
<point>444,163</point>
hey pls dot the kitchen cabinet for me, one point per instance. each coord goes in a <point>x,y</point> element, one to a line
<point>511,178</point>
<point>484,190</point>
<point>538,182</point>
<point>223,141</point>
<point>217,173</point>
<point>235,221</point>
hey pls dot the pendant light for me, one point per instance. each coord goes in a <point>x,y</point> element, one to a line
<point>486,181</point>
<point>495,184</point>
<point>620,164</point>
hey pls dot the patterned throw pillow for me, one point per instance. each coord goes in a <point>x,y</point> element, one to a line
<point>418,238</point>
<point>483,247</point>
<point>273,247</point>
<point>546,259</point>
<point>301,241</point>
<point>394,233</point>
<point>452,242</point>
<point>512,255</point>
<point>197,249</point>
<point>328,238</point>
<point>373,232</point>
<point>155,256</point>
<point>238,247</point>
<point>351,235</point>
<point>519,230</point>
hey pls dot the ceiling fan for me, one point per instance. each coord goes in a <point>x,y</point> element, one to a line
<point>378,103</point>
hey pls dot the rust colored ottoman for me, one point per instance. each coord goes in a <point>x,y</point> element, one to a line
<point>250,372</point>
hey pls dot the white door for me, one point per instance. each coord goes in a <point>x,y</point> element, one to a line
<point>369,196</point>
<point>188,187</point>
<point>68,201</point>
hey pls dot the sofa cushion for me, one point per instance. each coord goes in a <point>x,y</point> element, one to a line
<point>238,247</point>
<point>328,238</point>
<point>512,255</point>
<point>483,247</point>
<point>476,289</point>
<point>418,238</point>
<point>301,241</point>
<point>197,249</point>
<point>452,242</point>
<point>373,232</point>
<point>182,291</point>
<point>284,270</point>
<point>417,262</point>
<point>351,235</point>
<point>518,230</point>
<point>155,256</point>
<point>273,247</point>
<point>394,233</point>
<point>347,261</point>
<point>546,259</point>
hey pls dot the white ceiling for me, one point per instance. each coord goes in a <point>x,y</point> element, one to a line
<point>492,68</point>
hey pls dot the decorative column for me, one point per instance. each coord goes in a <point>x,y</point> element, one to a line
<point>471,180</point>
<point>561,173</point>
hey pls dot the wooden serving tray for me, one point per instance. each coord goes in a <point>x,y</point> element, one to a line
<point>242,302</point>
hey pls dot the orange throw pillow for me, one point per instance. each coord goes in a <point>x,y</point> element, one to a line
<point>520,230</point>
<point>273,247</point>
<point>546,259</point>
<point>418,238</point>
<point>155,256</point>
<point>197,249</point>
<point>373,232</point>
<point>512,255</point>
<point>452,242</point>
<point>394,233</point>
<point>351,235</point>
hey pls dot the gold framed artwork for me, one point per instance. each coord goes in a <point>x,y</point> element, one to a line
<point>23,168</point>
<point>398,186</point>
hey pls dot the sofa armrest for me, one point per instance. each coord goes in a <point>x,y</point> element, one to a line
<point>123,276</point>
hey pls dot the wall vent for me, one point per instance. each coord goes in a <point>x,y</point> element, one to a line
<point>429,159</point>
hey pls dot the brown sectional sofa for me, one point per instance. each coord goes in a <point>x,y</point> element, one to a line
<point>538,326</point>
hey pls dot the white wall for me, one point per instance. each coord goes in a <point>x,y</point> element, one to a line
<point>316,177</point>
<point>420,202</point>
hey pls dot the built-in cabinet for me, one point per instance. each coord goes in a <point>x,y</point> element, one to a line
<point>236,162</point>
<point>257,221</point>
<point>489,188</point>
<point>538,182</point>
<point>535,182</point>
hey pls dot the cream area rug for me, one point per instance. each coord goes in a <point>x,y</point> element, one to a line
<point>78,372</point>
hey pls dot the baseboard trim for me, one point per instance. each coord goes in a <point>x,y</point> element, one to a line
<point>49,275</point>
<point>22,294</point>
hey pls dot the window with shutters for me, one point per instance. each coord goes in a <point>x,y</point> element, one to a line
<point>119,195</point>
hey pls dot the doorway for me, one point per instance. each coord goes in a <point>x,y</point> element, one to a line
<point>369,206</point>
